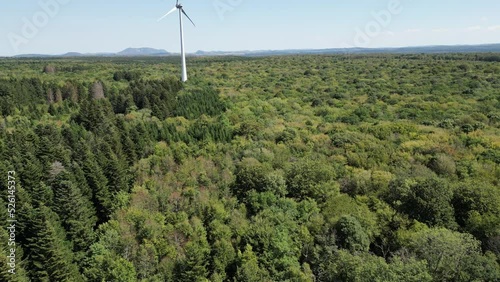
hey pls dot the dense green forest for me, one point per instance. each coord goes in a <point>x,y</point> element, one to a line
<point>291,168</point>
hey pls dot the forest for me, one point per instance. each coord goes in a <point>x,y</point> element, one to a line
<point>284,168</point>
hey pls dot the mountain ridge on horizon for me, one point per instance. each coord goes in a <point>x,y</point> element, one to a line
<point>152,52</point>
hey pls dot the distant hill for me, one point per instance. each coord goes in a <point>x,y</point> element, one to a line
<point>73,54</point>
<point>150,52</point>
<point>487,48</point>
<point>129,52</point>
<point>32,56</point>
<point>142,52</point>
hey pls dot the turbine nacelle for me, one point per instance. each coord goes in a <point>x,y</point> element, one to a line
<point>181,9</point>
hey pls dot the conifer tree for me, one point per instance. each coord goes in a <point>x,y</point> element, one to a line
<point>98,184</point>
<point>50,257</point>
<point>76,212</point>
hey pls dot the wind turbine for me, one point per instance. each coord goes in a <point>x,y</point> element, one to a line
<point>183,52</point>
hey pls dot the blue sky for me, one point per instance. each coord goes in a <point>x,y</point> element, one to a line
<point>112,25</point>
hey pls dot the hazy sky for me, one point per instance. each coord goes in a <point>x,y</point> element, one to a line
<point>59,26</point>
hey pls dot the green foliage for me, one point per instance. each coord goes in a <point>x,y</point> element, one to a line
<point>200,102</point>
<point>194,266</point>
<point>126,75</point>
<point>76,212</point>
<point>98,185</point>
<point>426,200</point>
<point>249,269</point>
<point>102,265</point>
<point>308,178</point>
<point>158,96</point>
<point>292,168</point>
<point>452,256</point>
<point>365,267</point>
<point>251,175</point>
<point>477,209</point>
<point>351,235</point>
<point>50,256</point>
<point>443,165</point>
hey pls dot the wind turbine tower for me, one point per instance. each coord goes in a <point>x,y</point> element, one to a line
<point>183,51</point>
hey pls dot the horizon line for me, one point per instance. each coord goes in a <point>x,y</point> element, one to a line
<point>164,52</point>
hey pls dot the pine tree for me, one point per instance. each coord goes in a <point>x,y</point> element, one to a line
<point>114,169</point>
<point>139,138</point>
<point>49,147</point>
<point>195,265</point>
<point>98,184</point>
<point>81,181</point>
<point>5,247</point>
<point>50,257</point>
<point>76,212</point>
<point>128,147</point>
<point>31,172</point>
<point>249,270</point>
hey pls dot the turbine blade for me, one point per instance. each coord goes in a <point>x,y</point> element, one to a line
<point>171,11</point>
<point>188,17</point>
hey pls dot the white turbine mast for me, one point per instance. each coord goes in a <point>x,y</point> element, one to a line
<point>183,51</point>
